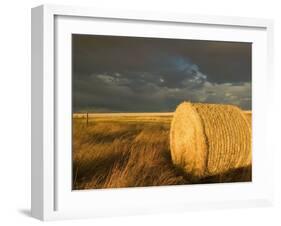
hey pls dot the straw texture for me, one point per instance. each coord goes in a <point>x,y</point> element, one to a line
<point>210,139</point>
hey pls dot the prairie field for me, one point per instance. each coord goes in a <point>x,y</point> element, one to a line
<point>132,150</point>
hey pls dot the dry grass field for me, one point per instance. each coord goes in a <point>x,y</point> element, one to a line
<point>131,150</point>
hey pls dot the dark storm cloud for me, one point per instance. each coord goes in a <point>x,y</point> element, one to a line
<point>125,74</point>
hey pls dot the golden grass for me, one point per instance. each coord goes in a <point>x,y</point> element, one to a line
<point>210,139</point>
<point>123,152</point>
<point>115,151</point>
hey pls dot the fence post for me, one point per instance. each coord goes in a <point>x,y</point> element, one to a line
<point>87,120</point>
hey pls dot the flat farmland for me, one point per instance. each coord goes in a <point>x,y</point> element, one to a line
<point>130,150</point>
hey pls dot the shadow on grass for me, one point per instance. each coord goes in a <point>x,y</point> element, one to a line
<point>242,174</point>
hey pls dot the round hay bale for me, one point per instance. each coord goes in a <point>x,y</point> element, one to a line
<point>248,115</point>
<point>209,139</point>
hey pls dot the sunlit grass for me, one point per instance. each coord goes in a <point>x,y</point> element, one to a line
<point>127,151</point>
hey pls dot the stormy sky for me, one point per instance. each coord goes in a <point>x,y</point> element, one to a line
<point>133,74</point>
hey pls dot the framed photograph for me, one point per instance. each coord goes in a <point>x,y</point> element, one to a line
<point>137,112</point>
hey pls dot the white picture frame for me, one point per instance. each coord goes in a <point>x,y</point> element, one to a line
<point>52,197</point>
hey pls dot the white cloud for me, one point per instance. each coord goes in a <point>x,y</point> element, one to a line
<point>106,78</point>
